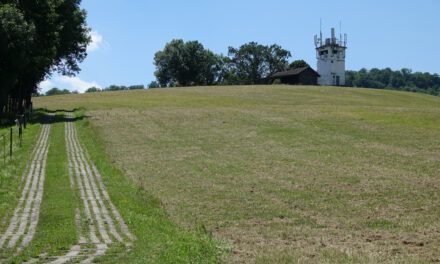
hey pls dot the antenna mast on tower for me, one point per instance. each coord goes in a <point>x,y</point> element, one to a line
<point>318,40</point>
<point>320,31</point>
<point>340,33</point>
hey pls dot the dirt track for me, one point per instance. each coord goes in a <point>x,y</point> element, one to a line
<point>105,228</point>
<point>99,224</point>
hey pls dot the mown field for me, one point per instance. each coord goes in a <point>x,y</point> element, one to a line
<point>280,174</point>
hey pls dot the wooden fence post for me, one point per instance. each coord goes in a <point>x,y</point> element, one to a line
<point>4,149</point>
<point>10,144</point>
<point>20,129</point>
<point>24,119</point>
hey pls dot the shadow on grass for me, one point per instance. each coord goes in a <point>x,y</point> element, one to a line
<point>40,116</point>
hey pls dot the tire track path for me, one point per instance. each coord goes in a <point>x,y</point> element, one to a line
<point>100,225</point>
<point>22,226</point>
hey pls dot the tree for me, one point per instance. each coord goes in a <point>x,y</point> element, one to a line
<point>56,91</point>
<point>252,62</point>
<point>153,84</point>
<point>403,79</point>
<point>116,88</point>
<point>186,63</point>
<point>349,78</point>
<point>298,64</point>
<point>17,35</point>
<point>41,37</point>
<point>136,87</point>
<point>276,59</point>
<point>93,90</point>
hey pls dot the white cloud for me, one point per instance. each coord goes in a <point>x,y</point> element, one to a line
<point>45,85</point>
<point>98,41</point>
<point>77,84</point>
<point>66,82</point>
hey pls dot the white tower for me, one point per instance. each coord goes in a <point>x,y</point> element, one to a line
<point>331,59</point>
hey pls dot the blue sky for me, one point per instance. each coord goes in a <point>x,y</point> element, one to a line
<point>127,33</point>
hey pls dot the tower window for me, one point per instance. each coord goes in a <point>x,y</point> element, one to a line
<point>332,61</point>
<point>323,52</point>
<point>335,51</point>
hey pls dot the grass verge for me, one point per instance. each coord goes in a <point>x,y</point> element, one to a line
<point>12,168</point>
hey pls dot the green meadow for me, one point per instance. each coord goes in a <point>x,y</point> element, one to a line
<point>254,174</point>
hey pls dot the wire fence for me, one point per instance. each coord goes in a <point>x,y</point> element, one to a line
<point>13,139</point>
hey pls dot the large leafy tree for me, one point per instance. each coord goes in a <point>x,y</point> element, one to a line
<point>16,35</point>
<point>186,63</point>
<point>50,35</point>
<point>252,62</point>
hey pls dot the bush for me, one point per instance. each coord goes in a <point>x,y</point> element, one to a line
<point>136,87</point>
<point>56,91</point>
<point>93,90</point>
<point>277,81</point>
<point>153,84</point>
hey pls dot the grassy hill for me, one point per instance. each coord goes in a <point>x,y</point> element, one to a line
<point>282,174</point>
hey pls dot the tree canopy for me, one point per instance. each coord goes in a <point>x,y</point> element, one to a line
<point>185,63</point>
<point>252,62</point>
<point>37,38</point>
<point>189,63</point>
<point>115,88</point>
<point>403,79</point>
<point>56,91</point>
<point>298,64</point>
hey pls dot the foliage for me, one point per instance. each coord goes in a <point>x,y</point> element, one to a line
<point>187,63</point>
<point>404,80</point>
<point>153,84</point>
<point>37,38</point>
<point>93,90</point>
<point>252,62</point>
<point>116,88</point>
<point>56,91</point>
<point>277,81</point>
<point>298,64</point>
<point>124,88</point>
<point>136,87</point>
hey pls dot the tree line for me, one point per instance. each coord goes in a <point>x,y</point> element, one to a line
<point>57,91</point>
<point>404,80</point>
<point>116,88</point>
<point>189,63</point>
<point>37,38</point>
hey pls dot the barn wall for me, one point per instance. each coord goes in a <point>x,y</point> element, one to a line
<point>308,78</point>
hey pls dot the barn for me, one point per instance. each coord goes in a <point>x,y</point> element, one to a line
<point>303,75</point>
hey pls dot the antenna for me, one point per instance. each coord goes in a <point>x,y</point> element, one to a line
<point>320,25</point>
<point>320,31</point>
<point>340,32</point>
